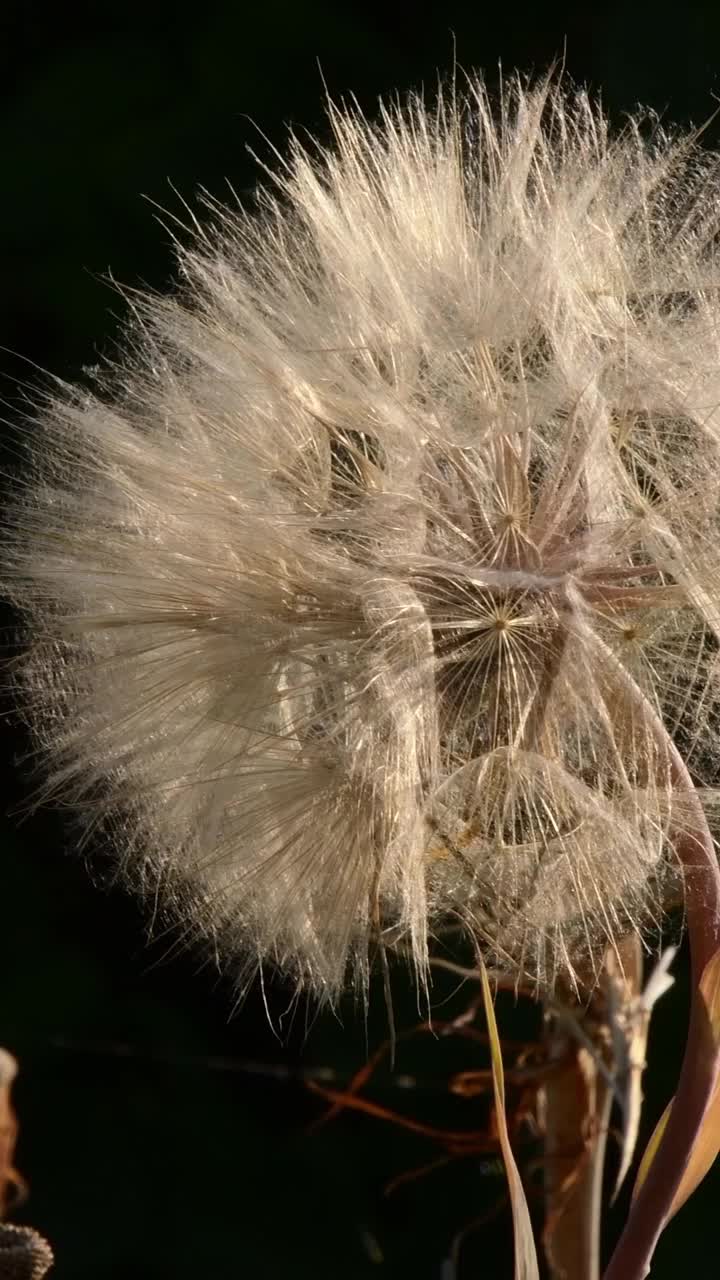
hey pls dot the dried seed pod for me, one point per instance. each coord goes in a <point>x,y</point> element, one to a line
<point>24,1255</point>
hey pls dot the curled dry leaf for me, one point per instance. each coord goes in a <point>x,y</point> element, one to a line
<point>707,1143</point>
<point>12,1186</point>
<point>24,1254</point>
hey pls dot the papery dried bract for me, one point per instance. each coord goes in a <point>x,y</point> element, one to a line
<point>335,587</point>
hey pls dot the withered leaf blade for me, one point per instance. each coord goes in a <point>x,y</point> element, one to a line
<point>707,1143</point>
<point>24,1254</point>
<point>12,1186</point>
<point>526,1261</point>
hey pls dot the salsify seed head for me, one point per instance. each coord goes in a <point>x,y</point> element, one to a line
<point>366,590</point>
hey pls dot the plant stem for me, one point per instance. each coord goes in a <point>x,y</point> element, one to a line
<point>577,1110</point>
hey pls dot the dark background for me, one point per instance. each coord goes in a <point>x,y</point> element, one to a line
<point>152,1145</point>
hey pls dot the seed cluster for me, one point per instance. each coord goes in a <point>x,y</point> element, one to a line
<point>366,594</point>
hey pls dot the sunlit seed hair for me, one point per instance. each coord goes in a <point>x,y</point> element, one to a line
<point>365,592</point>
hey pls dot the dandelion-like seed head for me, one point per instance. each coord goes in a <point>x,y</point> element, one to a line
<point>366,594</point>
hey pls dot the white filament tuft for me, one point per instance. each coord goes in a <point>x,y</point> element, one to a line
<point>328,582</point>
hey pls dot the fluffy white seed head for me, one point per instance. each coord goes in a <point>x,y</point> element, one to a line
<point>358,590</point>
